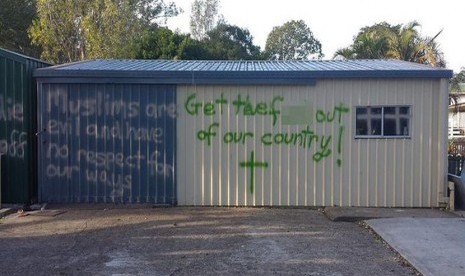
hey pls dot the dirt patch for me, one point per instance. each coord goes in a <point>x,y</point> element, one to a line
<point>191,241</point>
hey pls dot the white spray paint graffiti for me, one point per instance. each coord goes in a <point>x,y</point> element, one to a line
<point>15,145</point>
<point>10,110</point>
<point>102,119</point>
<point>103,105</point>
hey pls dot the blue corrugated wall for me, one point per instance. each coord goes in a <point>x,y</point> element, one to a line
<point>107,143</point>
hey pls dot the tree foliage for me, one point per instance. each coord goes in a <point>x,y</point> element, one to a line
<point>161,43</point>
<point>15,18</point>
<point>403,42</point>
<point>292,41</point>
<point>204,14</point>
<point>154,12</point>
<point>370,43</point>
<point>192,49</point>
<point>81,29</point>
<point>56,32</point>
<point>109,29</point>
<point>407,44</point>
<point>231,42</point>
<point>457,83</point>
<point>225,41</point>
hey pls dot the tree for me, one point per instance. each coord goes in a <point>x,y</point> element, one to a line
<point>57,30</point>
<point>292,40</point>
<point>203,17</point>
<point>161,43</point>
<point>407,44</point>
<point>457,83</point>
<point>370,43</point>
<point>344,53</point>
<point>15,18</point>
<point>223,42</point>
<point>154,12</point>
<point>192,49</point>
<point>385,41</point>
<point>231,42</point>
<point>456,89</point>
<point>81,29</point>
<point>109,30</point>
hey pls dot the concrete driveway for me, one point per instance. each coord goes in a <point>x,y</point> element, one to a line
<point>190,241</point>
<point>435,246</point>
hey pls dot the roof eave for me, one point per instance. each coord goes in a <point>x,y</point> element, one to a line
<point>236,77</point>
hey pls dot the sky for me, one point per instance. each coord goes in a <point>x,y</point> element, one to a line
<point>335,22</point>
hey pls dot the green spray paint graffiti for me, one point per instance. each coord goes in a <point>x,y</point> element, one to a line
<point>339,145</point>
<point>242,106</point>
<point>305,138</point>
<point>252,164</point>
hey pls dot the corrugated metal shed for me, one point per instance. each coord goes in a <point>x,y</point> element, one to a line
<point>18,126</point>
<point>253,132</point>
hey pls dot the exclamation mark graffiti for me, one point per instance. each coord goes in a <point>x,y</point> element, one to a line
<point>339,146</point>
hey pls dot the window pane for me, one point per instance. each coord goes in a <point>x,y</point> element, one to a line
<point>404,110</point>
<point>361,110</point>
<point>404,127</point>
<point>390,127</point>
<point>375,127</point>
<point>375,110</point>
<point>390,110</point>
<point>375,120</point>
<point>396,121</point>
<point>362,128</point>
<point>361,124</point>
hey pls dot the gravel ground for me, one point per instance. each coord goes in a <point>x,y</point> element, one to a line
<point>190,241</point>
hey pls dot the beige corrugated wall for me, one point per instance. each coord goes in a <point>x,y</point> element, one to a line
<point>295,145</point>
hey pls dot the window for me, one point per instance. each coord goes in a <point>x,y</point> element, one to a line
<point>382,121</point>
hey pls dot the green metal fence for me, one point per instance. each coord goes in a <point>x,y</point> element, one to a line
<point>18,124</point>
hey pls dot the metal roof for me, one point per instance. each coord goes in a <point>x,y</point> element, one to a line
<point>20,57</point>
<point>234,72</point>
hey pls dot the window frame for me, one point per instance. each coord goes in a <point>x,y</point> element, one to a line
<point>382,135</point>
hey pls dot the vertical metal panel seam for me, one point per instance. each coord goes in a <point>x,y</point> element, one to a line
<point>423,119</point>
<point>332,133</point>
<point>430,144</point>
<point>306,166</point>
<point>351,143</point>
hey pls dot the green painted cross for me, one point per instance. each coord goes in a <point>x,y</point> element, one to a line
<point>252,164</point>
